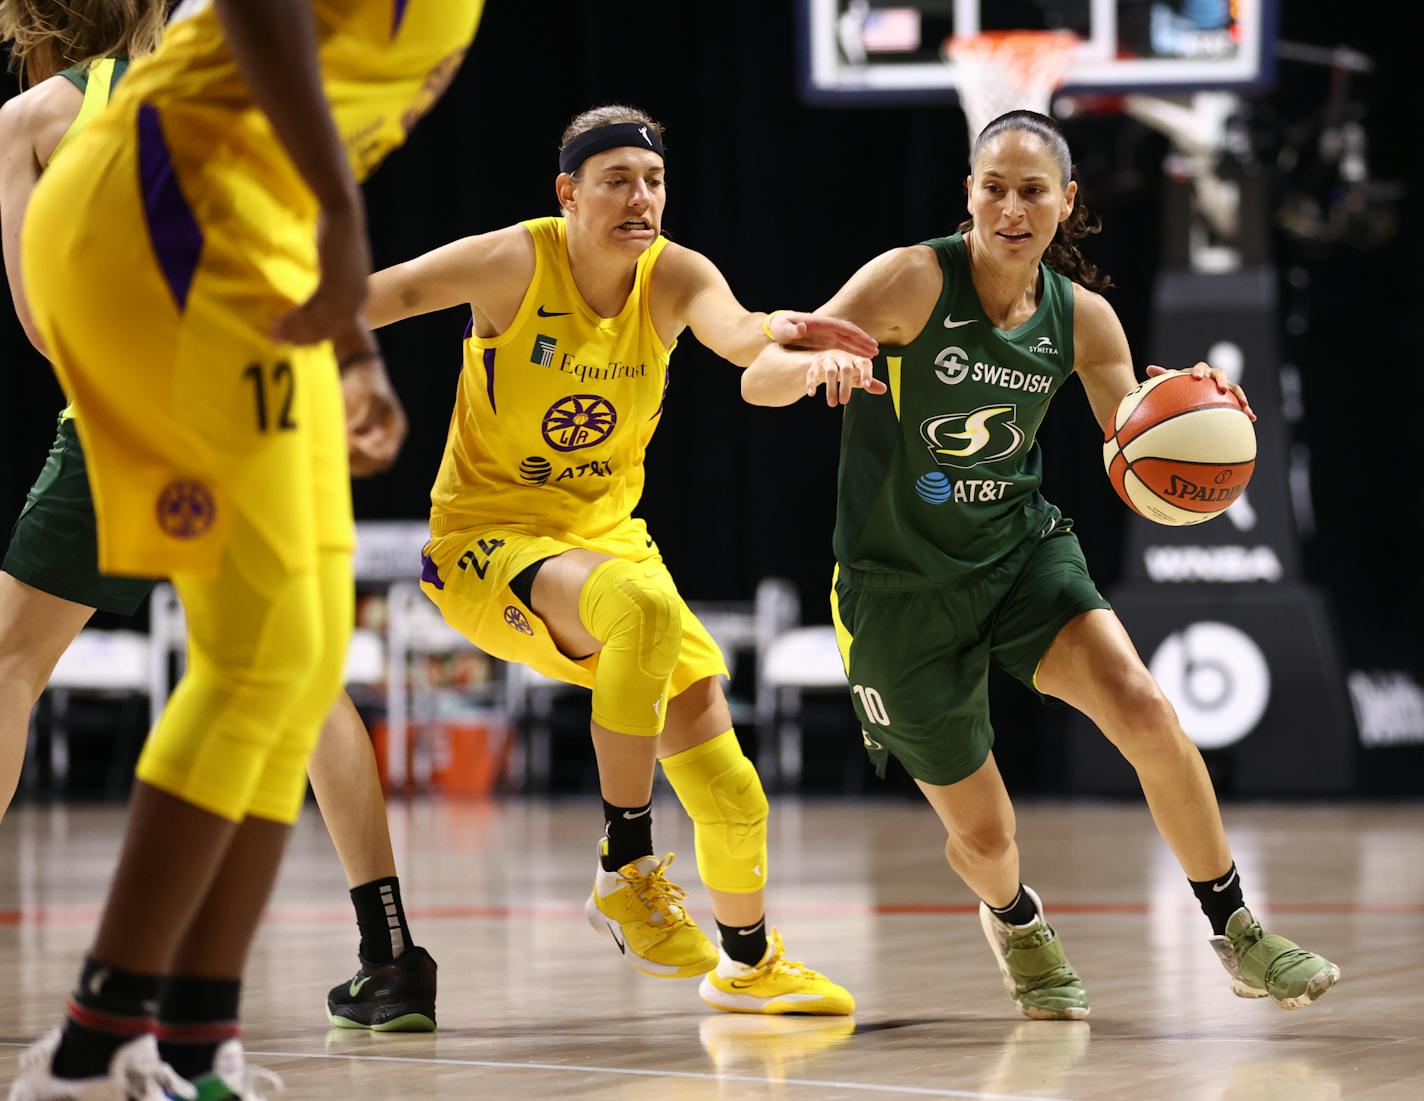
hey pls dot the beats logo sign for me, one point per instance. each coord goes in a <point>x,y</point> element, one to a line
<point>1217,679</point>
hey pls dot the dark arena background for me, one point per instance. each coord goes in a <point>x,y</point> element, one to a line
<point>789,192</point>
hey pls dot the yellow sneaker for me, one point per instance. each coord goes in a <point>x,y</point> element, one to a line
<point>776,985</point>
<point>640,910</point>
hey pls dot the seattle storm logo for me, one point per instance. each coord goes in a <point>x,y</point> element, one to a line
<point>579,420</point>
<point>965,440</point>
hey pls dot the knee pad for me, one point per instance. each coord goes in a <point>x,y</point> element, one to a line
<point>634,610</point>
<point>722,794</point>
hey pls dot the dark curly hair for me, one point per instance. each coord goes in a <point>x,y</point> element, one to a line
<point>1063,254</point>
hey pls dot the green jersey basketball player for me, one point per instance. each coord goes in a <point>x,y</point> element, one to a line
<point>949,558</point>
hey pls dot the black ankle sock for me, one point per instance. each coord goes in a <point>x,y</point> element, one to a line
<point>1020,911</point>
<point>381,919</point>
<point>108,1008</point>
<point>195,1017</point>
<point>744,943</point>
<point>1219,898</point>
<point>629,833</point>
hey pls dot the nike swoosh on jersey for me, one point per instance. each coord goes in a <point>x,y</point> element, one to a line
<point>950,323</point>
<point>555,313</point>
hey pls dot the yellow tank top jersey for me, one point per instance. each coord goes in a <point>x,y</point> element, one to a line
<point>553,416</point>
<point>383,64</point>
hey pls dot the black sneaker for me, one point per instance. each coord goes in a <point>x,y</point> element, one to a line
<point>387,997</point>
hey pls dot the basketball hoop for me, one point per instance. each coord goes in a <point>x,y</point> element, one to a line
<point>1000,71</point>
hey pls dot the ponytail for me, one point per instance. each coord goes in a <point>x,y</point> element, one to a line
<point>1063,254</point>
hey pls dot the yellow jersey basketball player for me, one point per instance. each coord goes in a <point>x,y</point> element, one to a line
<point>536,557</point>
<point>50,583</point>
<point>208,387</point>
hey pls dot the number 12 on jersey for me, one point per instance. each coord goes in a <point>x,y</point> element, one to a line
<point>871,704</point>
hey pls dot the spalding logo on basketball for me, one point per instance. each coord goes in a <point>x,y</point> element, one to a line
<point>1179,451</point>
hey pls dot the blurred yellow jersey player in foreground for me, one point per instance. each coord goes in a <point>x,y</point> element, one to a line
<point>535,555</point>
<point>221,183</point>
<point>74,57</point>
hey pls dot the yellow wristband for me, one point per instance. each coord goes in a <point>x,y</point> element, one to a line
<point>766,325</point>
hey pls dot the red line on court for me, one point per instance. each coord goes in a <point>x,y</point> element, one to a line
<point>322,914</point>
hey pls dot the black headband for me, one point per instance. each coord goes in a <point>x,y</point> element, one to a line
<point>613,136</point>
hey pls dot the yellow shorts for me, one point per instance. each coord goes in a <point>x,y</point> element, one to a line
<point>157,316</point>
<point>467,574</point>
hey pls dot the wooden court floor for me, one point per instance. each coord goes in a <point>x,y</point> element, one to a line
<point>533,1005</point>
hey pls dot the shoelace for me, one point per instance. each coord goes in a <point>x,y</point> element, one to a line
<point>659,893</point>
<point>777,963</point>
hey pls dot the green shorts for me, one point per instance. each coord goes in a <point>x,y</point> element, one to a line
<point>917,651</point>
<point>54,546</point>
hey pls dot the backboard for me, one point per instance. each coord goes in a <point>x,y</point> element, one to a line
<point>891,51</point>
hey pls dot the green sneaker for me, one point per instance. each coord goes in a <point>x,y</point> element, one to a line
<point>1037,975</point>
<point>1263,965</point>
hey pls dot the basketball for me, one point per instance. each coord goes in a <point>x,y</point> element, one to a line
<point>1179,451</point>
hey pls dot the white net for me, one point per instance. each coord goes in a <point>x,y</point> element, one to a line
<point>1001,71</point>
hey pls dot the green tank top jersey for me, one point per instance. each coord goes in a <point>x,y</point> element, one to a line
<point>97,80</point>
<point>939,478</point>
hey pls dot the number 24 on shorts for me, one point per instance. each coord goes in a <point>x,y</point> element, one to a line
<point>487,548</point>
<point>871,704</point>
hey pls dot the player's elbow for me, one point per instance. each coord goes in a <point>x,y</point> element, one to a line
<point>757,390</point>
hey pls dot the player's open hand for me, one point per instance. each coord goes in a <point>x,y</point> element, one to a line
<point>842,374</point>
<point>375,421</point>
<point>345,259</point>
<point>815,331</point>
<point>1216,374</point>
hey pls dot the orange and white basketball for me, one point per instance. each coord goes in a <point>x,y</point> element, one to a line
<point>1179,451</point>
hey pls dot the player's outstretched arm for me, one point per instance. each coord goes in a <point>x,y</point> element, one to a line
<point>274,44</point>
<point>882,299</point>
<point>489,273</point>
<point>704,302</point>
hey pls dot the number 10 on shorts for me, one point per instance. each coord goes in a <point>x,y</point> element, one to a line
<point>871,704</point>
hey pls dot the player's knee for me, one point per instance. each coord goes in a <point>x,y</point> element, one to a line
<point>722,794</point>
<point>634,609</point>
<point>24,673</point>
<point>979,845</point>
<point>1139,719</point>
